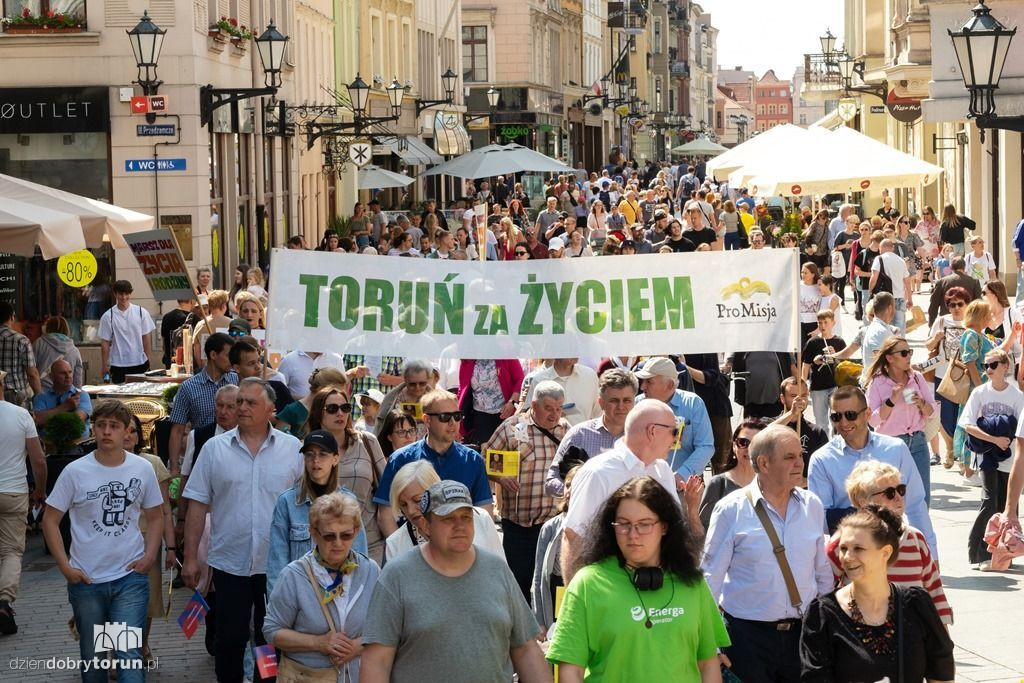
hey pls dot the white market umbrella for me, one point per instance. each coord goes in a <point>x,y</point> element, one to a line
<point>844,160</point>
<point>494,160</point>
<point>377,178</point>
<point>784,139</point>
<point>59,222</point>
<point>700,147</point>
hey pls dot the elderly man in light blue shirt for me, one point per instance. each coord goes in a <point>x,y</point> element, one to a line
<point>745,575</point>
<point>697,443</point>
<point>838,224</point>
<point>832,463</point>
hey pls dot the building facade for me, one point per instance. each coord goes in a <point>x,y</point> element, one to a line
<point>773,101</point>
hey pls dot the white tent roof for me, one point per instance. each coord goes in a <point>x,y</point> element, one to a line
<point>784,139</point>
<point>59,222</point>
<point>843,160</point>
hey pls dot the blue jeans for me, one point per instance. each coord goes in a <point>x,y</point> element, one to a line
<point>919,452</point>
<point>1020,285</point>
<point>121,603</point>
<point>900,317</point>
<point>732,240</point>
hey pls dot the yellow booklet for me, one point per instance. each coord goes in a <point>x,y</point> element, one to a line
<point>679,434</point>
<point>414,410</point>
<point>502,463</point>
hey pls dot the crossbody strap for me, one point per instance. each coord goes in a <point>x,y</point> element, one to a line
<point>317,591</point>
<point>778,549</point>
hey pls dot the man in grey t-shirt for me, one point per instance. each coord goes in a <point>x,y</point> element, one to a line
<point>425,599</point>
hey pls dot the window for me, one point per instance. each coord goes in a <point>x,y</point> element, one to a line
<point>474,54</point>
<point>760,110</point>
<point>771,108</point>
<point>377,46</point>
<point>38,8</point>
<point>657,37</point>
<point>803,119</point>
<point>783,109</point>
<point>718,120</point>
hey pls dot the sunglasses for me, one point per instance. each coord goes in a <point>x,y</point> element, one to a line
<point>449,416</point>
<point>344,536</point>
<point>993,365</point>
<point>904,222</point>
<point>955,304</point>
<point>902,352</point>
<point>891,491</point>
<point>333,408</point>
<point>521,253</point>
<point>742,441</point>
<point>850,415</point>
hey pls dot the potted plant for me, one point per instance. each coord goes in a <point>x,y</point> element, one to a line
<point>62,433</point>
<point>168,394</point>
<point>46,22</point>
<point>240,37</point>
<point>341,225</point>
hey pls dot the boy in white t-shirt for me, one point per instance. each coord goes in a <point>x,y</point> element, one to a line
<point>105,492</point>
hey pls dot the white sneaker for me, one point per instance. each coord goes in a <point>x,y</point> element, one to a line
<point>973,480</point>
<point>985,566</point>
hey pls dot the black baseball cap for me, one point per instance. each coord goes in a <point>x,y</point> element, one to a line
<point>320,438</point>
<point>627,243</point>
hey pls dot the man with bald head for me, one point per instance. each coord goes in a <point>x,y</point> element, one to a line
<point>62,397</point>
<point>649,436</point>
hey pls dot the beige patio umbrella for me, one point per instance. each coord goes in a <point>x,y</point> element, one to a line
<point>59,222</point>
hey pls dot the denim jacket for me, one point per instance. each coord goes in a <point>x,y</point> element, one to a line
<point>289,533</point>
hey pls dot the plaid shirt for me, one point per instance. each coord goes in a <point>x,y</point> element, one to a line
<point>531,506</point>
<point>15,358</point>
<point>389,365</point>
<point>195,403</point>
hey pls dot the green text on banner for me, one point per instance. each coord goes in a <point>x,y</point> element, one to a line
<point>591,307</point>
<point>162,264</point>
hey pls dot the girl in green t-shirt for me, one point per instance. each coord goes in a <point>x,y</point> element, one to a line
<point>639,609</point>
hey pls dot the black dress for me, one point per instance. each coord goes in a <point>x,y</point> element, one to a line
<point>831,651</point>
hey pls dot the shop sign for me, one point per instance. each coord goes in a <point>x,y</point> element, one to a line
<point>616,15</point>
<point>877,108</point>
<point>9,278</point>
<point>513,131</point>
<point>54,110</point>
<point>78,268</point>
<point>903,109</point>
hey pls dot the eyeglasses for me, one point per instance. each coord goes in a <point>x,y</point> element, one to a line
<point>891,491</point>
<point>742,441</point>
<point>405,432</point>
<point>448,416</point>
<point>901,352</point>
<point>659,424</point>
<point>333,408</point>
<point>850,415</point>
<point>904,222</point>
<point>642,528</point>
<point>955,304</point>
<point>344,536</point>
<point>993,365</point>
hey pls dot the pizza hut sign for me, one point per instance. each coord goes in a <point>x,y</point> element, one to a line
<point>903,109</point>
<point>795,190</point>
<point>865,184</point>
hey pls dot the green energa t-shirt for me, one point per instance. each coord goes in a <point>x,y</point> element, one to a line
<point>601,627</point>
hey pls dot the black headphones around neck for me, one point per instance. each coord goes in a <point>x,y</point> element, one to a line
<point>648,578</point>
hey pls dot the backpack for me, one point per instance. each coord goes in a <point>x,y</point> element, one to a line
<point>884,282</point>
<point>689,186</point>
<point>838,265</point>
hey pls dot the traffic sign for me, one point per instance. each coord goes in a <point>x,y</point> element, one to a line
<point>140,104</point>
<point>78,268</point>
<point>136,165</point>
<point>156,129</point>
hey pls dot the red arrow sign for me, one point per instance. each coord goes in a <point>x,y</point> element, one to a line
<point>140,104</point>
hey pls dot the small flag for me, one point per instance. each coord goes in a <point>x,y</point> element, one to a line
<point>194,613</point>
<point>596,88</point>
<point>266,660</point>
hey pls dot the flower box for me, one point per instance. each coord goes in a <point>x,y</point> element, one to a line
<point>26,29</point>
<point>217,35</point>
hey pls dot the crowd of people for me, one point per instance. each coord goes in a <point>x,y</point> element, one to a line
<point>343,508</point>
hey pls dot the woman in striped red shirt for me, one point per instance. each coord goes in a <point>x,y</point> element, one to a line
<point>876,482</point>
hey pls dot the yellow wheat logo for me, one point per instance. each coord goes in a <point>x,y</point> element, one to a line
<point>746,288</point>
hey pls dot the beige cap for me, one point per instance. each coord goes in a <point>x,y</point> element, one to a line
<point>658,367</point>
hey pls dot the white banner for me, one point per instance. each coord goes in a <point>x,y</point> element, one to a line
<point>594,307</point>
<point>162,264</point>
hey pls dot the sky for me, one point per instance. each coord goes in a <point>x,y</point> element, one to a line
<point>760,35</point>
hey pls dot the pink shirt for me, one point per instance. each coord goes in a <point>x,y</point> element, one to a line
<point>905,418</point>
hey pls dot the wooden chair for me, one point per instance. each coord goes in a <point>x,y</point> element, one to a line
<point>148,413</point>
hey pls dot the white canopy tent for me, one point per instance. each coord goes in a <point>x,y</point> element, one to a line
<point>784,139</point>
<point>842,160</point>
<point>59,222</point>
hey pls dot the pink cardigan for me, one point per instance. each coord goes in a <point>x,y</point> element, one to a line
<point>510,378</point>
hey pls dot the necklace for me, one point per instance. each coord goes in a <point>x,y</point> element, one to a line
<point>879,639</point>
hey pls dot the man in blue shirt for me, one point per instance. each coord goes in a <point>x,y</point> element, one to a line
<point>832,463</point>
<point>838,224</point>
<point>451,459</point>
<point>697,444</point>
<point>1018,250</point>
<point>62,397</point>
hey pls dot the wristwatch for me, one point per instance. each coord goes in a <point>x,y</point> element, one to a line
<point>889,403</point>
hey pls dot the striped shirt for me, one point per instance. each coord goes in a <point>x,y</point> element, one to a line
<point>592,436</point>
<point>531,506</point>
<point>914,567</point>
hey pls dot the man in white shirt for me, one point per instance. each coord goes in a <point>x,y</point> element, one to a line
<point>902,288</point>
<point>297,366</point>
<point>124,336</point>
<point>581,385</point>
<point>878,330</point>
<point>19,439</point>
<point>649,436</point>
<point>237,479</point>
<point>744,573</point>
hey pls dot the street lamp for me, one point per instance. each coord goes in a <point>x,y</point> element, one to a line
<point>828,45</point>
<point>632,87</point>
<point>492,97</point>
<point>358,95</point>
<point>396,92</point>
<point>147,39</point>
<point>448,81</point>
<point>848,68</point>
<point>981,47</point>
<point>271,46</point>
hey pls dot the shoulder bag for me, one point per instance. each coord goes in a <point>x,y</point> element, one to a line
<point>778,550</point>
<point>956,385</point>
<point>375,481</point>
<point>291,671</point>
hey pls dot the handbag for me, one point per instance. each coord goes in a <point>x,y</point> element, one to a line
<point>778,550</point>
<point>838,265</point>
<point>847,373</point>
<point>291,671</point>
<point>956,385</point>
